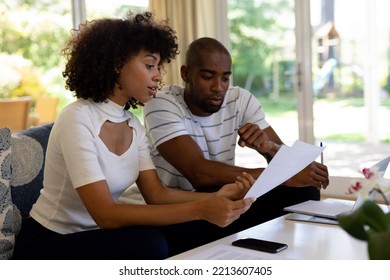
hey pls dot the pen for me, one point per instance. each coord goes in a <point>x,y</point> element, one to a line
<point>322,155</point>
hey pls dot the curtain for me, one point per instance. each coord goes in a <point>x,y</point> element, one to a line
<point>191,19</point>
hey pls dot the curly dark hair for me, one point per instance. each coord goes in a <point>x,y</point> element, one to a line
<point>99,49</point>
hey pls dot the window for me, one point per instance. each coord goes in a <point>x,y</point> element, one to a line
<point>341,60</point>
<point>113,8</point>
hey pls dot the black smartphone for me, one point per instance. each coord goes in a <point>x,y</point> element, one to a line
<point>260,245</point>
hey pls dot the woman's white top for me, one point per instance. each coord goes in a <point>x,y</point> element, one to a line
<point>76,156</point>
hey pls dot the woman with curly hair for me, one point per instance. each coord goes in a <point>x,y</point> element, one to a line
<point>97,149</point>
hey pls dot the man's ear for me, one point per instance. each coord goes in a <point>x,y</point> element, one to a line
<point>184,73</point>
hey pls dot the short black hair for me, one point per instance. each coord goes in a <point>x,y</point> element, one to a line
<point>200,45</point>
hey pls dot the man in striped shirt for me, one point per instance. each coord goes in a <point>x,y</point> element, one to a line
<point>193,132</point>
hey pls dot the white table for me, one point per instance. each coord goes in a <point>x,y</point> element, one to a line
<point>305,240</point>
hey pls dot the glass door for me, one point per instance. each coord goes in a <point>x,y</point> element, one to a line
<point>351,82</point>
<point>262,44</point>
<point>321,70</point>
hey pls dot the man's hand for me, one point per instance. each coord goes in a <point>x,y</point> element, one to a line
<point>315,174</point>
<point>252,136</point>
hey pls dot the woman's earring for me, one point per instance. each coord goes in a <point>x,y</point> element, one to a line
<point>120,86</point>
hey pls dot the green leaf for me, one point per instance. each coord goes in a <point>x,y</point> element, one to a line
<point>378,246</point>
<point>374,217</point>
<point>367,220</point>
<point>353,223</point>
<point>388,217</point>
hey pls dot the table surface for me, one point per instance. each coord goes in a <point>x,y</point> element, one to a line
<point>305,240</point>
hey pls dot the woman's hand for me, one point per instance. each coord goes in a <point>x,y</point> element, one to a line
<point>222,211</point>
<point>228,205</point>
<point>238,189</point>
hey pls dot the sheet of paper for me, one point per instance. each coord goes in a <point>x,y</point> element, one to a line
<point>287,162</point>
<point>228,252</point>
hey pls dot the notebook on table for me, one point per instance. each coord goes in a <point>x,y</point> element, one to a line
<point>311,219</point>
<point>330,209</point>
<point>324,208</point>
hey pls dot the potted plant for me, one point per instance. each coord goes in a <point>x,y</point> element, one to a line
<point>369,222</point>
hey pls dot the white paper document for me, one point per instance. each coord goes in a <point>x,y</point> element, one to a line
<point>287,162</point>
<point>229,252</point>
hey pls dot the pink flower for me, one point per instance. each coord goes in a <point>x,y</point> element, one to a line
<point>372,180</point>
<point>356,186</point>
<point>368,173</point>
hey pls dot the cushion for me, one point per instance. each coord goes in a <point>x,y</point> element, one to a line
<point>22,158</point>
<point>28,157</point>
<point>7,229</point>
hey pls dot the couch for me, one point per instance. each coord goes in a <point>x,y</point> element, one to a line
<point>22,158</point>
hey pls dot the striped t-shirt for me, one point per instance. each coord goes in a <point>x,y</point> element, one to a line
<point>168,116</point>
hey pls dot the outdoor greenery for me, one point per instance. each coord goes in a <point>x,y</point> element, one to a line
<point>35,32</point>
<point>257,38</point>
<point>32,36</point>
<point>262,46</point>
